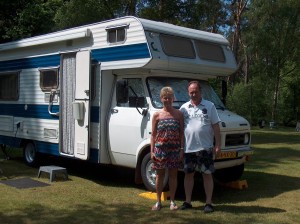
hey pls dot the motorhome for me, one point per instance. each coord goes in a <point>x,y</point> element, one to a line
<point>89,92</point>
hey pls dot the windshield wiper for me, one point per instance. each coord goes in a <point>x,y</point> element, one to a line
<point>179,103</point>
<point>219,107</point>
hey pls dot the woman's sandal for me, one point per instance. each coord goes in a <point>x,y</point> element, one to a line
<point>173,206</point>
<point>156,207</point>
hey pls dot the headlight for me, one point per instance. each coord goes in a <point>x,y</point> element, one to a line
<point>246,138</point>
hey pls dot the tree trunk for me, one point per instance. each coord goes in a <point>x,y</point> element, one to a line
<point>131,7</point>
<point>276,93</point>
<point>238,7</point>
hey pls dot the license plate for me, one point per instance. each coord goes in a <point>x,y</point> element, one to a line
<point>247,153</point>
<point>226,155</point>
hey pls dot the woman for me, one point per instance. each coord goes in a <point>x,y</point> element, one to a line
<point>167,145</point>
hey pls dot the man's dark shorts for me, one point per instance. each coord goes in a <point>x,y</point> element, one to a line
<point>201,161</point>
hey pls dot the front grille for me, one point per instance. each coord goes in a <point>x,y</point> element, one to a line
<point>234,140</point>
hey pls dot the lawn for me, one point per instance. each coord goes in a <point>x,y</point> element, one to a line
<point>98,194</point>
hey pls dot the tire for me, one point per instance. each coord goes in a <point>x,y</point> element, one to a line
<point>149,175</point>
<point>30,154</point>
<point>229,174</point>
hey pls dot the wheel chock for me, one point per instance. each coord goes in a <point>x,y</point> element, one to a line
<point>152,195</point>
<point>240,184</point>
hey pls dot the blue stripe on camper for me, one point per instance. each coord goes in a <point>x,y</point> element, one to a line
<point>53,149</point>
<point>45,147</point>
<point>25,63</point>
<point>33,111</point>
<point>39,111</point>
<point>127,52</point>
<point>10,141</point>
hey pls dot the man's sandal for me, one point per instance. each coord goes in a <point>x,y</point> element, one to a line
<point>173,206</point>
<point>156,207</point>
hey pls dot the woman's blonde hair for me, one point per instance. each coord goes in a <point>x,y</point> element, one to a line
<point>166,91</point>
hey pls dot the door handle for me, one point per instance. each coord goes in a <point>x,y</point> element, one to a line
<point>87,92</point>
<point>114,111</point>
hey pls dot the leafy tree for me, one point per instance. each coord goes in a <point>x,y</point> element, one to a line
<point>202,14</point>
<point>236,22</point>
<point>247,99</point>
<point>205,15</point>
<point>26,18</point>
<point>273,41</point>
<point>77,12</point>
<point>239,100</point>
<point>9,11</point>
<point>161,10</point>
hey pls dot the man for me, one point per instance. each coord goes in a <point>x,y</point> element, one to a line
<point>201,123</point>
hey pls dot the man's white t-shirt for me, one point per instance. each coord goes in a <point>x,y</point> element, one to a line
<point>198,121</point>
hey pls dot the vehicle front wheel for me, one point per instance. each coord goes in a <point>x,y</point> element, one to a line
<point>30,154</point>
<point>149,174</point>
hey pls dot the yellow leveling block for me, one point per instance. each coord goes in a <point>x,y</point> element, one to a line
<point>152,195</point>
<point>240,184</point>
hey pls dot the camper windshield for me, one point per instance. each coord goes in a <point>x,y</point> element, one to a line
<point>180,91</point>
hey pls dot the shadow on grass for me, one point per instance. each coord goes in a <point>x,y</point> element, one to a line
<point>99,212</point>
<point>260,185</point>
<point>106,175</point>
<point>248,209</point>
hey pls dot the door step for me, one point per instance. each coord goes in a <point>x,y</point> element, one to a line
<point>152,195</point>
<point>53,171</point>
<point>239,184</point>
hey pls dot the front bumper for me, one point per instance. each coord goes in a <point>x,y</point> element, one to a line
<point>231,158</point>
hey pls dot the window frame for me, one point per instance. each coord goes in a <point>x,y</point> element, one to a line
<point>17,85</point>
<point>163,41</point>
<point>134,98</point>
<point>48,89</point>
<point>209,58</point>
<point>115,29</point>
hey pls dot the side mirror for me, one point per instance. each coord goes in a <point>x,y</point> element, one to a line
<point>122,91</point>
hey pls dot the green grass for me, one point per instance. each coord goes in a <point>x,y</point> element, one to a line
<point>97,194</point>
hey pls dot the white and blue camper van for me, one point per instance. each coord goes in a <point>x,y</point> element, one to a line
<point>89,92</point>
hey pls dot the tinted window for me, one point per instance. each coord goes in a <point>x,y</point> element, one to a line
<point>208,51</point>
<point>116,35</point>
<point>136,94</point>
<point>48,79</point>
<point>9,86</point>
<point>177,46</point>
<point>179,86</point>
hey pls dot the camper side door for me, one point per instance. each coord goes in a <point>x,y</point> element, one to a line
<point>75,104</point>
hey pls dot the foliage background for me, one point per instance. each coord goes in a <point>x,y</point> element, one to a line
<point>263,34</point>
